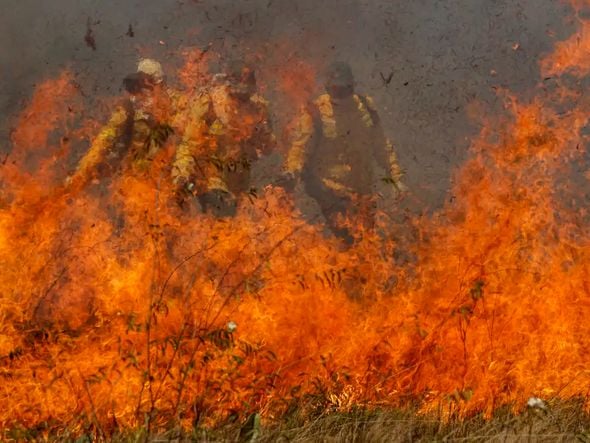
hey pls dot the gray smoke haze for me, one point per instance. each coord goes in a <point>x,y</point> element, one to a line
<point>440,54</point>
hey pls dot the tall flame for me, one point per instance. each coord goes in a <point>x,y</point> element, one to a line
<point>120,310</point>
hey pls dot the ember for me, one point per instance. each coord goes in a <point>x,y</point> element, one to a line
<point>153,283</point>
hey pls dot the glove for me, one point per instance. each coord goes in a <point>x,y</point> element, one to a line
<point>219,202</point>
<point>401,187</point>
<point>397,184</point>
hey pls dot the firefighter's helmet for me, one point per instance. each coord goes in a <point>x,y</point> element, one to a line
<point>339,74</point>
<point>151,67</point>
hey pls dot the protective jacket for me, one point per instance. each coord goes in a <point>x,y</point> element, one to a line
<point>222,139</point>
<point>134,134</point>
<point>336,144</point>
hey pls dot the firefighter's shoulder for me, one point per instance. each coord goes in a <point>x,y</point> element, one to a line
<point>119,115</point>
<point>204,96</point>
<point>370,102</point>
<point>322,108</point>
<point>323,101</point>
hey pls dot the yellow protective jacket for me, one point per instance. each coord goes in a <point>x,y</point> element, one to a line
<point>335,144</point>
<point>132,137</point>
<point>222,139</point>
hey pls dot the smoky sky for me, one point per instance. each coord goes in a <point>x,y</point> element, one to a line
<point>423,61</point>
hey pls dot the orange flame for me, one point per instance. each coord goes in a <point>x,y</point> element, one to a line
<point>571,55</point>
<point>119,311</point>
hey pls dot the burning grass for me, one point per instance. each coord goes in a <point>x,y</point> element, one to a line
<point>560,422</point>
<point>119,311</point>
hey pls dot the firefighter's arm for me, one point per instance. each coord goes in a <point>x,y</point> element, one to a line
<point>100,146</point>
<point>195,132</point>
<point>300,138</point>
<point>384,151</point>
<point>183,166</point>
<point>395,171</point>
<point>267,140</point>
<point>180,110</point>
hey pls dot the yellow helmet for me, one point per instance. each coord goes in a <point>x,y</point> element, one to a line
<point>151,67</point>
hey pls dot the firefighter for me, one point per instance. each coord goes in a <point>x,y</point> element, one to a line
<point>228,130</point>
<point>137,128</point>
<point>337,142</point>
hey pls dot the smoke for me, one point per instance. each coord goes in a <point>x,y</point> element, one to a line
<point>423,61</point>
